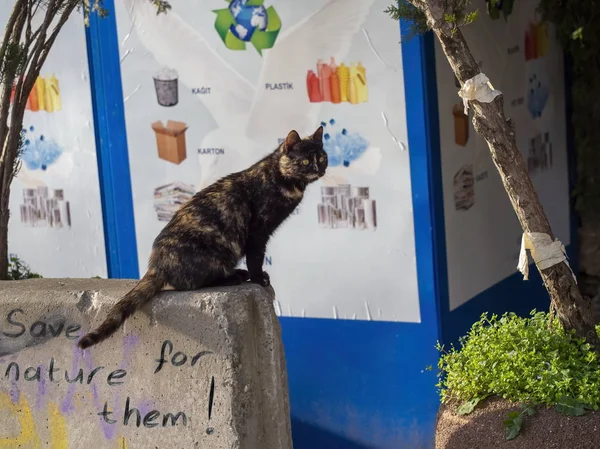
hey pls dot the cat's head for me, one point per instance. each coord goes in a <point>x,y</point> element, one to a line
<point>303,159</point>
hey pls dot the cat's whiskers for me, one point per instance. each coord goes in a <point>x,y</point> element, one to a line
<point>328,179</point>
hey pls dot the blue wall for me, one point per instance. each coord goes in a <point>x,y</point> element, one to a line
<point>111,145</point>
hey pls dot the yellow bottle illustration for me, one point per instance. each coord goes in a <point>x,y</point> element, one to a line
<point>541,37</point>
<point>353,90</point>
<point>40,87</point>
<point>344,80</point>
<point>47,96</point>
<point>361,83</point>
<point>53,88</point>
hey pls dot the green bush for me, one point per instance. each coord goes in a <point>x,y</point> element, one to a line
<point>531,360</point>
<point>19,270</point>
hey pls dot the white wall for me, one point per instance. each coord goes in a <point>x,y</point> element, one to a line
<point>483,241</point>
<point>310,267</point>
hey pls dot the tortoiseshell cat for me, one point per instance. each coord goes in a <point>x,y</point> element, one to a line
<point>232,218</point>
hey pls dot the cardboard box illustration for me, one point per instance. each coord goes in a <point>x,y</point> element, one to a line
<point>461,125</point>
<point>170,141</point>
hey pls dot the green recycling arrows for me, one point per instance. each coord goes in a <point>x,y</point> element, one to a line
<point>261,40</point>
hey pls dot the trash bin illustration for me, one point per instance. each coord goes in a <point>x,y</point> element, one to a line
<point>166,84</point>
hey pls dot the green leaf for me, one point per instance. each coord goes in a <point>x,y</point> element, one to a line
<point>570,406</point>
<point>512,425</point>
<point>577,34</point>
<point>468,406</point>
<point>450,18</point>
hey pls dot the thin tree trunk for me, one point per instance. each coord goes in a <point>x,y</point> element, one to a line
<point>4,196</point>
<point>12,35</point>
<point>489,121</point>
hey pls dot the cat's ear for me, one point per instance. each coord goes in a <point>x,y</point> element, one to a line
<point>290,141</point>
<point>318,135</point>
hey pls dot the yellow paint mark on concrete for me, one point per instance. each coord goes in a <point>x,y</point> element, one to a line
<point>27,436</point>
<point>78,400</point>
<point>58,428</point>
<point>122,443</point>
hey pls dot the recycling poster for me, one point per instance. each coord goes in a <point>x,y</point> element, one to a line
<point>213,86</point>
<point>518,53</point>
<point>55,222</point>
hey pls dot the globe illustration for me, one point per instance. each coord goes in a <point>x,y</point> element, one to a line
<point>247,19</point>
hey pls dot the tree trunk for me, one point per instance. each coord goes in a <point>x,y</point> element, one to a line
<point>5,178</point>
<point>11,143</point>
<point>489,121</point>
<point>4,233</point>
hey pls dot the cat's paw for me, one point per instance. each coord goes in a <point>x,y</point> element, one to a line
<point>262,279</point>
<point>243,274</point>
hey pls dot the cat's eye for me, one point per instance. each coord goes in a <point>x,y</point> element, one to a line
<point>321,159</point>
<point>305,162</point>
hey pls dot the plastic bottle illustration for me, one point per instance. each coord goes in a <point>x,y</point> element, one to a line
<point>344,79</point>
<point>353,89</point>
<point>337,84</point>
<point>53,88</point>
<point>44,95</point>
<point>334,83</point>
<point>335,88</point>
<point>326,82</point>
<point>361,83</point>
<point>47,97</point>
<point>40,87</point>
<point>531,44</point>
<point>541,38</point>
<point>313,87</point>
<point>320,65</point>
<point>33,97</point>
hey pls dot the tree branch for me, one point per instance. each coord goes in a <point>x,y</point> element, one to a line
<point>47,46</point>
<point>14,15</point>
<point>34,53</point>
<point>7,84</point>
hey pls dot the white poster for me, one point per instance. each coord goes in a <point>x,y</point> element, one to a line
<point>212,86</point>
<point>56,217</point>
<point>519,54</point>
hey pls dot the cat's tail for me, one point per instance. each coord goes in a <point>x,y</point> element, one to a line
<point>144,291</point>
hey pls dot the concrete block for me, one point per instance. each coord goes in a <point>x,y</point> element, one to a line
<point>200,369</point>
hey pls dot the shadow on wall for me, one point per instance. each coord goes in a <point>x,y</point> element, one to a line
<point>308,436</point>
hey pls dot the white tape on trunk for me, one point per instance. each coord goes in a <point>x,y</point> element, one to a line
<point>544,251</point>
<point>477,88</point>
